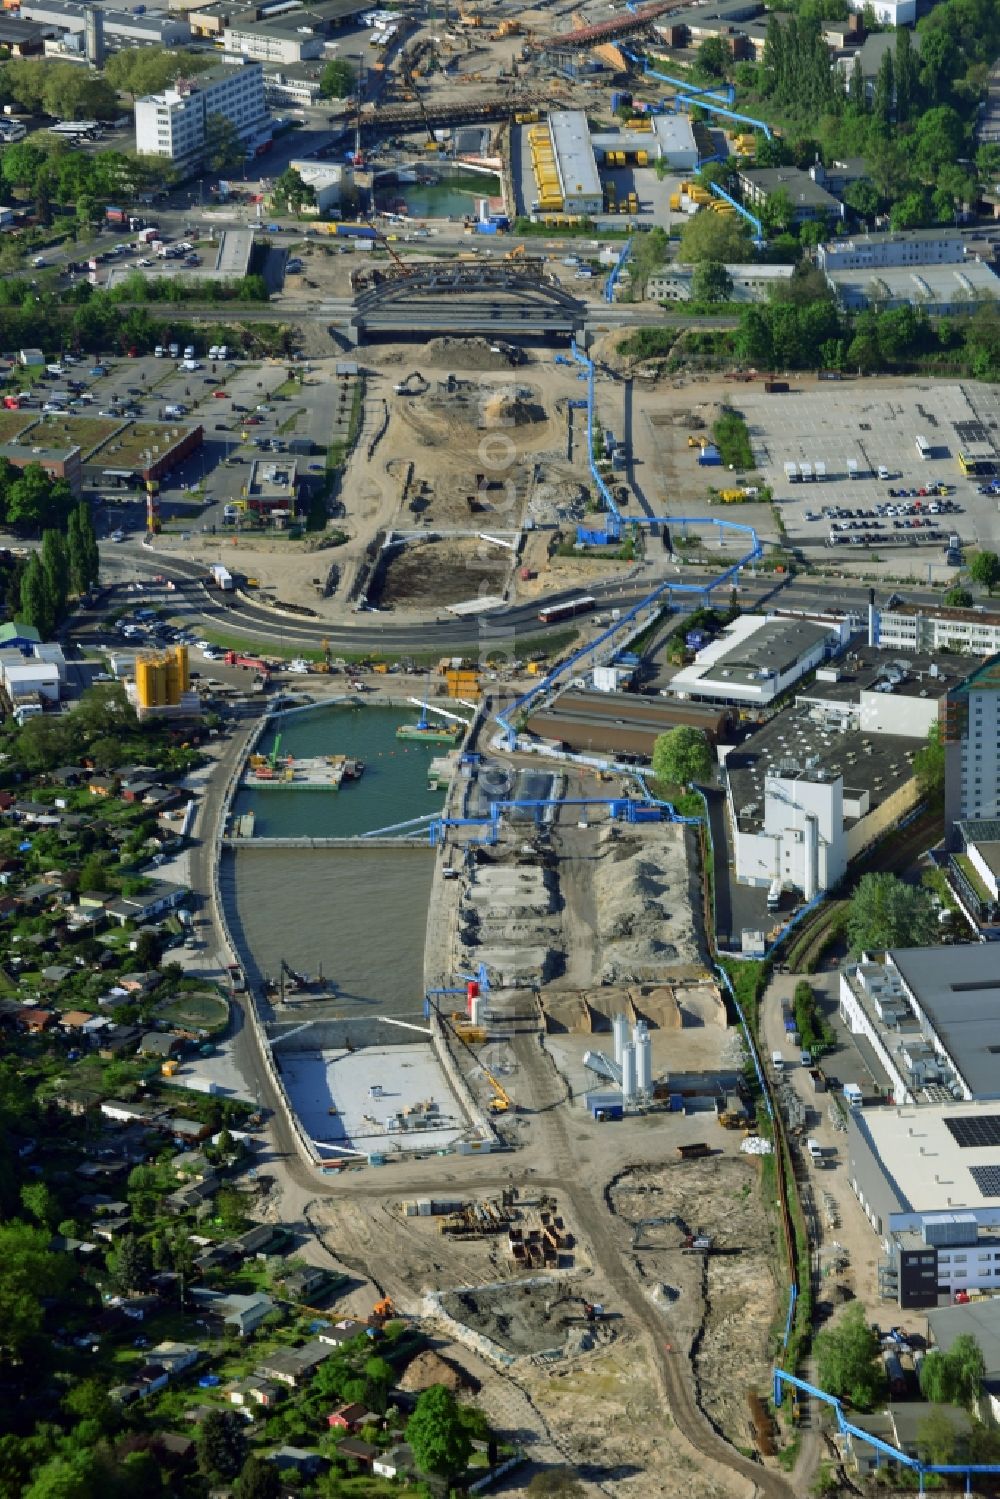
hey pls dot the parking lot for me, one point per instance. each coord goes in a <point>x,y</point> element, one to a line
<point>871,427</point>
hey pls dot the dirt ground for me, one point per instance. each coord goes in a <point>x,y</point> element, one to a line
<point>721,1305</point>
<point>529,1317</point>
<point>431,574</point>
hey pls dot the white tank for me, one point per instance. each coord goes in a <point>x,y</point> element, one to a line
<point>628,1073</point>
<point>643,1044</point>
<point>619,1029</point>
<point>476,1010</point>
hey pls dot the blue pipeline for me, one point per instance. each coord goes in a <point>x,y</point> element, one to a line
<point>725,95</point>
<point>752,220</point>
<point>616,270</point>
<point>848,1428</point>
<point>698,98</point>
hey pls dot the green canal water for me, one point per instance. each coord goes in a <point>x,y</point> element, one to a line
<point>357,914</point>
<point>392,789</point>
<point>453,194</point>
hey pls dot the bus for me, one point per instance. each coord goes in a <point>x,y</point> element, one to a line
<point>924,449</point>
<point>572,607</point>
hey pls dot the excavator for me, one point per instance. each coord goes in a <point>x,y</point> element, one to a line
<point>382,1311</point>
<point>501,1102</point>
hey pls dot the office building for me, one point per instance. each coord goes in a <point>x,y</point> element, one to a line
<point>273,44</point>
<point>173,124</point>
<point>808,198</point>
<point>751,283</point>
<point>868,252</point>
<point>916,627</point>
<point>969,726</point>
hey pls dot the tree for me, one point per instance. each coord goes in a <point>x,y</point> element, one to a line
<point>223,150</point>
<point>713,58</point>
<point>29,1273</point>
<point>337,80</point>
<point>848,1359</point>
<point>937,1437</point>
<point>258,1480</point>
<point>884,912</point>
<point>440,1443</point>
<point>93,874</point>
<point>884,96</point>
<point>958,597</point>
<point>40,1203</point>
<point>222,1447</point>
<point>129,1264</point>
<point>713,236</point>
<point>35,607</point>
<point>682,755</point>
<point>711,282</point>
<point>906,76</point>
<point>88,1400</point>
<point>954,1377</point>
<point>857,92</point>
<point>81,549</point>
<point>55,566</point>
<point>292,191</point>
<point>864,198</point>
<point>984,569</point>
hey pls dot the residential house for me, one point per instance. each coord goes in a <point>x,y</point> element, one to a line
<point>16,635</point>
<point>396,1462</point>
<point>189,1198</point>
<point>351,1417</point>
<point>255,1390</point>
<point>191,1130</point>
<point>215,1257</point>
<point>176,1357</point>
<point>102,785</point>
<point>76,1100</point>
<point>119,1041</point>
<point>343,1332</point>
<point>125,1112</point>
<point>92,901</point>
<point>191,1165</point>
<point>298,1460</point>
<point>162,897</point>
<point>295,1366</point>
<point>309,1281</point>
<point>151,1379</point>
<point>55,973</point>
<point>244,1313</point>
<point>35,1021</point>
<point>869,56</point>
<point>357,1451</point>
<point>9,870</point>
<point>74,1020</point>
<point>161,1043</point>
<point>259,1239</point>
<point>138,983</point>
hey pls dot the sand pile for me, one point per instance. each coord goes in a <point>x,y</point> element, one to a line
<point>510,408</point>
<point>429,1368</point>
<point>645,895</point>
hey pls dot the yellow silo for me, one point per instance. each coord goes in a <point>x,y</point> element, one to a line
<point>151,681</point>
<point>181,655</point>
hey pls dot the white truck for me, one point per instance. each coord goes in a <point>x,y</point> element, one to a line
<point>222,577</point>
<point>774,897</point>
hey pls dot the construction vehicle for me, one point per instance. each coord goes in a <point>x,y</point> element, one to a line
<point>517,253</point>
<point>169,1067</point>
<point>382,1311</point>
<point>501,1102</point>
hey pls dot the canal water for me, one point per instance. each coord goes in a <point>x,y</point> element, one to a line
<point>392,789</point>
<point>359,915</point>
<point>453,194</point>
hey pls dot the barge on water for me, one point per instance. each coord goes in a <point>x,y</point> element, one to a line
<point>311,773</point>
<point>431,733</point>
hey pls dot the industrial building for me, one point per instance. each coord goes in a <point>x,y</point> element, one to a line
<point>940,290</point>
<point>751,283</point>
<point>756,658</point>
<point>814,787</point>
<point>58,463</point>
<point>622,722</point>
<point>273,489</point>
<point>978,1319</point>
<point>117,29</point>
<point>231,262</point>
<point>273,44</point>
<point>916,627</point>
<point>868,252</point>
<point>172,124</point>
<point>973,872</point>
<point>662,137</point>
<point>969,726</point>
<point>578,179</point>
<point>328,180</point>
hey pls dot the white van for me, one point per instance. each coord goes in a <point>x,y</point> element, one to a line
<point>189,351</point>
<point>777,1061</point>
<point>159,352</point>
<point>814,1148</point>
<point>883,472</point>
<point>174,350</point>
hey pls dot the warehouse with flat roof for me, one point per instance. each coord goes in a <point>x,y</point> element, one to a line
<point>576,164</point>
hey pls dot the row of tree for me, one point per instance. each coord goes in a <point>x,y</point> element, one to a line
<point>67,563</point>
<point>31,501</point>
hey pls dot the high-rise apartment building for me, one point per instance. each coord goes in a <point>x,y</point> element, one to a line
<point>969,722</point>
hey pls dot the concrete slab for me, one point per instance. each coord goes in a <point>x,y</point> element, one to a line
<point>414,1093</point>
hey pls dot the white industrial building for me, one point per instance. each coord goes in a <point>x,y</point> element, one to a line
<point>576,164</point>
<point>172,124</point>
<point>939,289</point>
<point>914,627</point>
<point>273,44</point>
<point>758,657</point>
<point>889,12</point>
<point>815,786</point>
<point>25,677</point>
<point>751,283</point>
<point>120,28</point>
<point>926,1169</point>
<point>670,139</point>
<point>909,247</point>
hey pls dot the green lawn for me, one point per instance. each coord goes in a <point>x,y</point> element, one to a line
<point>973,876</point>
<point>203,1011</point>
